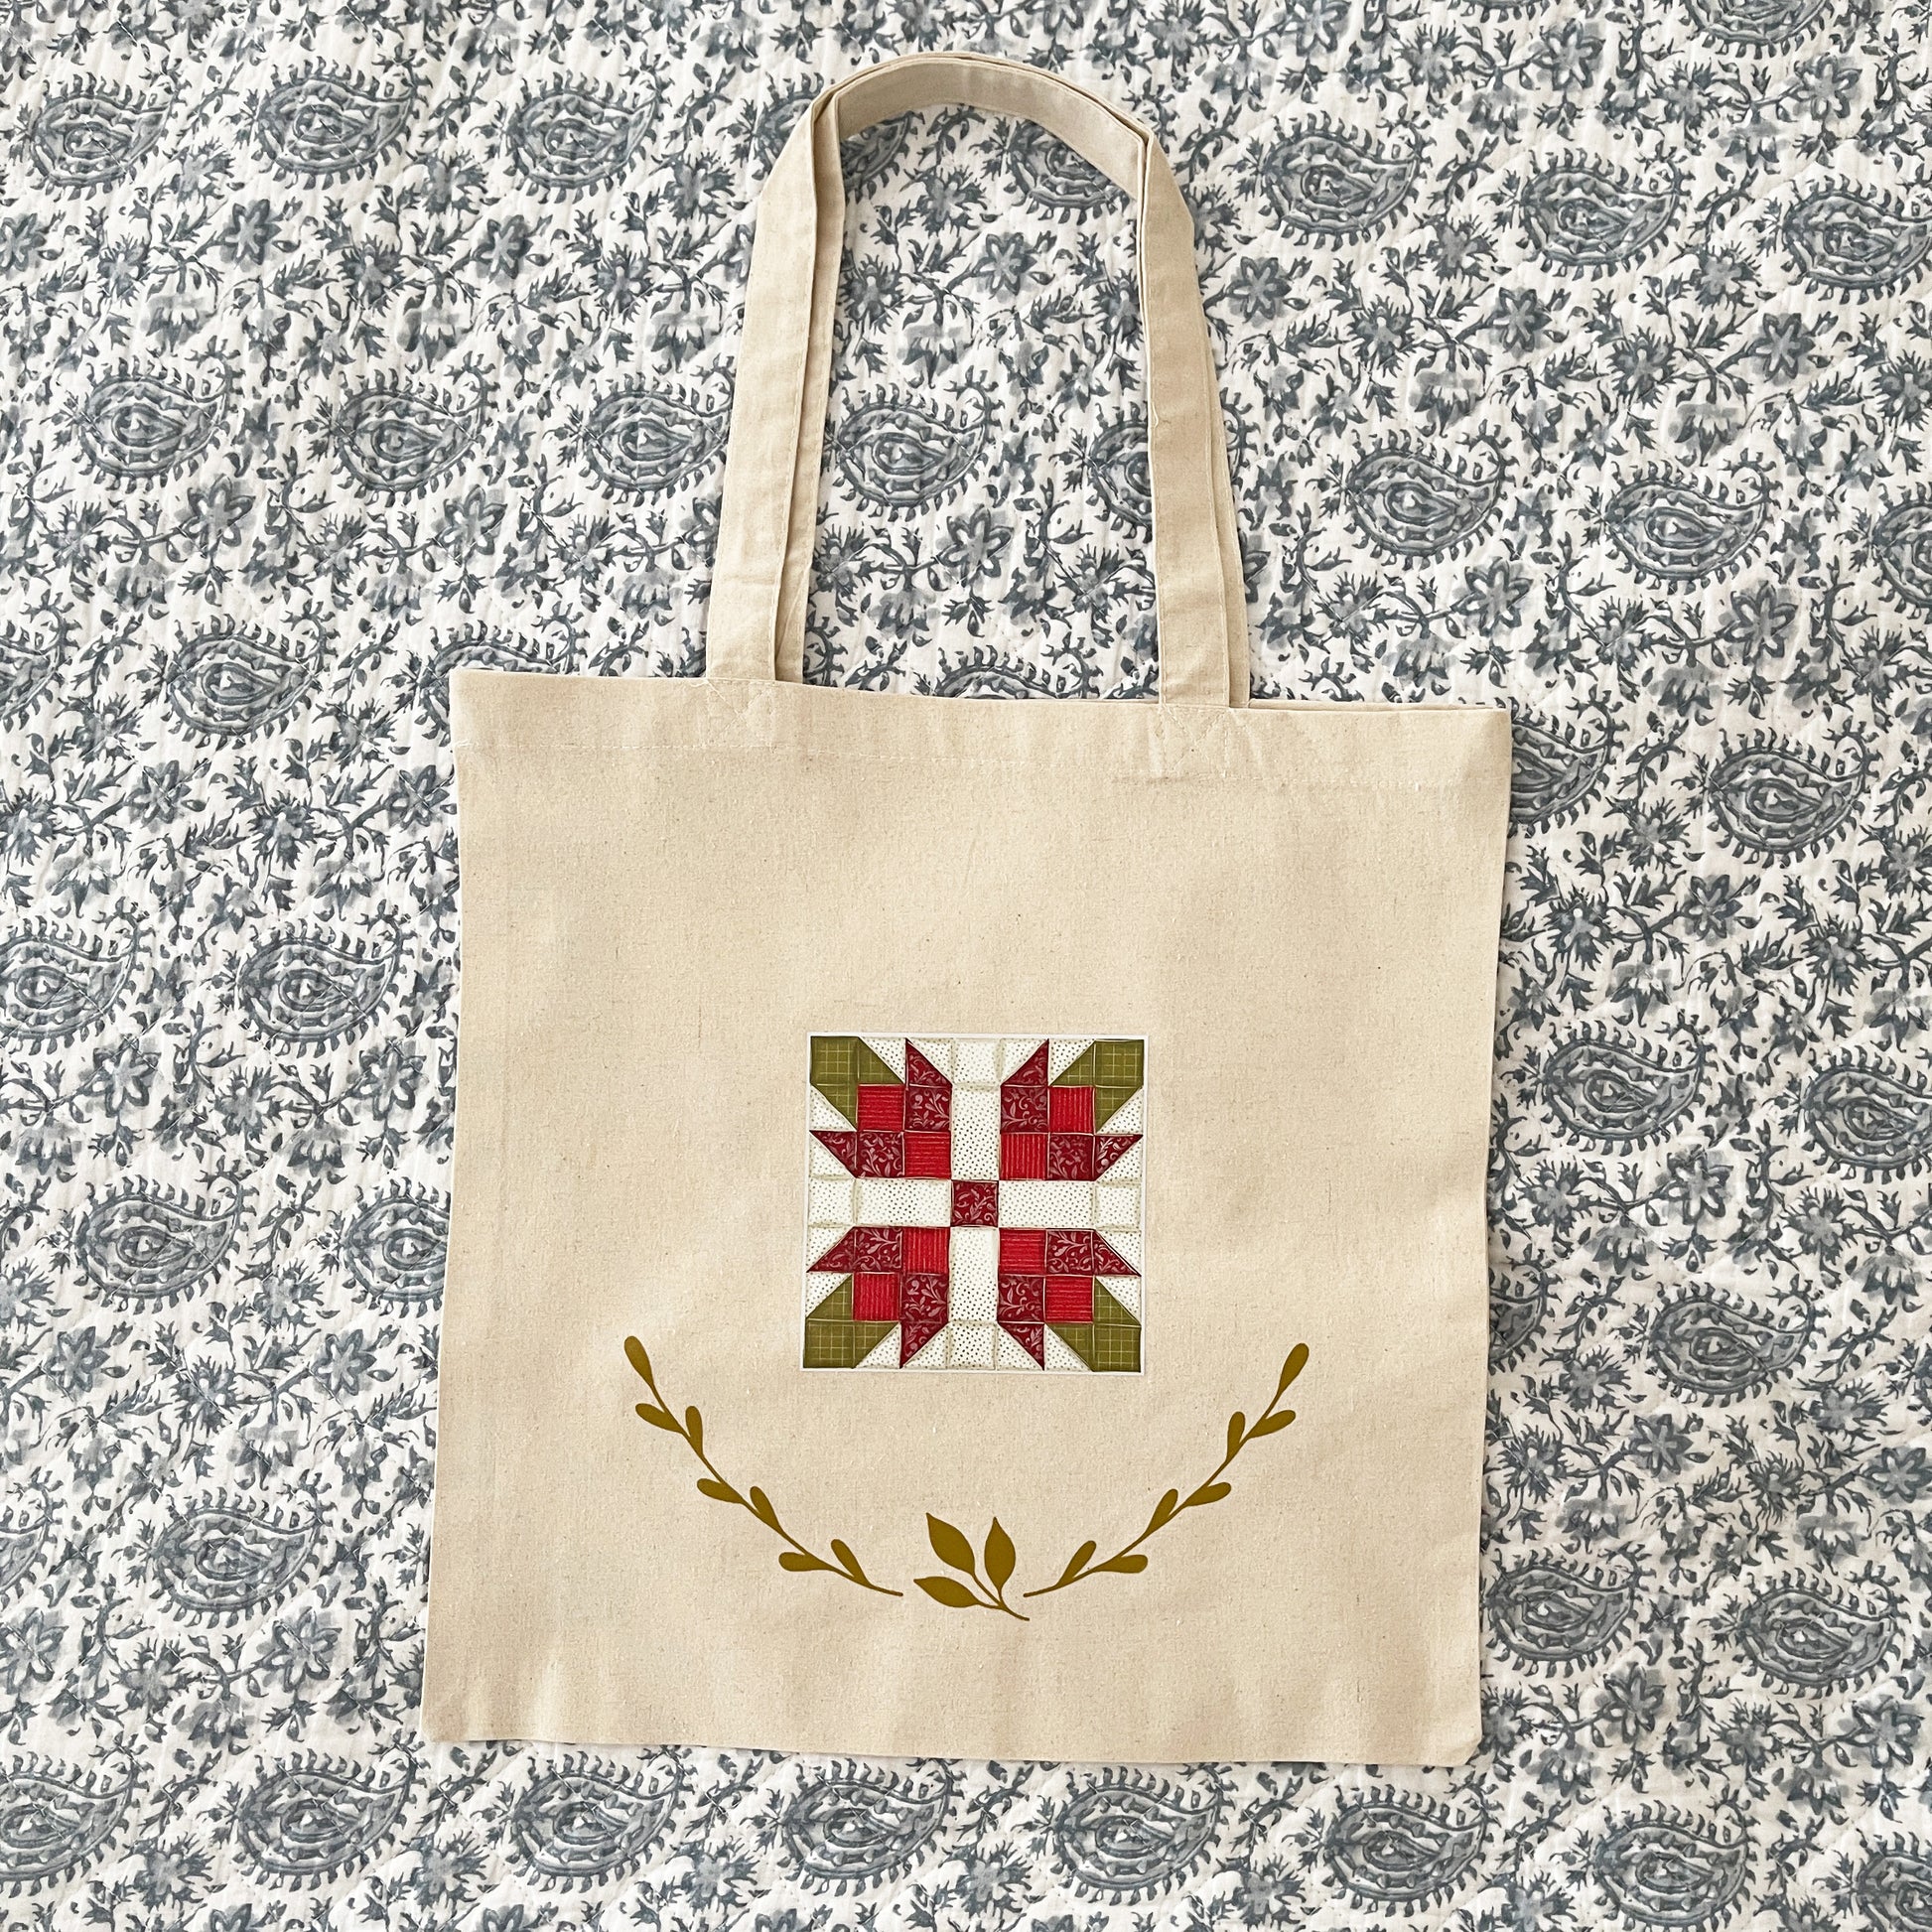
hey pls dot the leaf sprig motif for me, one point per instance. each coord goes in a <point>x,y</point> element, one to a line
<point>952,1548</point>
<point>796,1556</point>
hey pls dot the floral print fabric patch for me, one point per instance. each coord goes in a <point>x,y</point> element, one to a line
<point>974,1201</point>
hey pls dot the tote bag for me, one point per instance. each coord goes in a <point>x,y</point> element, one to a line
<point>968,1222</point>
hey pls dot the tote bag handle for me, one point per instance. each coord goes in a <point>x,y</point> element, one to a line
<point>766,522</point>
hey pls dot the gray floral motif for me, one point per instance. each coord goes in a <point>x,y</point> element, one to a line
<point>1574,358</point>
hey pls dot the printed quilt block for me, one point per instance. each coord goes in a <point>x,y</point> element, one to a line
<point>974,1201</point>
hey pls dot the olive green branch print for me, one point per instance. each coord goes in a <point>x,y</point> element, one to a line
<point>1128,1561</point>
<point>952,1549</point>
<point>661,1415</point>
<point>983,1589</point>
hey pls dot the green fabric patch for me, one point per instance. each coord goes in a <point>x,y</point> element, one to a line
<point>841,1064</point>
<point>1116,1070</point>
<point>870,1069</point>
<point>1078,1336</point>
<point>1111,1341</point>
<point>833,1340</point>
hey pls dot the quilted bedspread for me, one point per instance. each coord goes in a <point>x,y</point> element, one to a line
<point>1576,357</point>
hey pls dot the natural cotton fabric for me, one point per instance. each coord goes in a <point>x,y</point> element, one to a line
<point>670,886</point>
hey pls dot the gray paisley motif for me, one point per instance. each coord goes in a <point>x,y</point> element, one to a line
<point>1117,470</point>
<point>1131,1835</point>
<point>396,1247</point>
<point>645,442</point>
<point>1618,1094</point>
<point>143,1244</point>
<point>1815,1638</point>
<point>140,428</point>
<point>899,455</point>
<point>312,1818</point>
<point>1516,1312</point>
<point>1665,1871</point>
<point>1051,174</point>
<point>1331,186</point>
<point>587,1820</point>
<point>851,1829</point>
<point>1902,546</point>
<point>55,990</point>
<point>1894,1888</point>
<point>1410,505</point>
<point>308,992</point>
<point>1676,533</point>
<point>93,136</point>
<point>231,681</point>
<point>329,126</point>
<point>1755,25</point>
<point>56,1821</point>
<point>1708,1348</point>
<point>1583,215</point>
<point>478,648</point>
<point>1846,241</point>
<point>1773,801</point>
<point>1552,775</point>
<point>1869,1119</point>
<point>567,140</point>
<point>223,1558</point>
<point>1552,1614</point>
<point>1393,1851</point>
<point>397,439</point>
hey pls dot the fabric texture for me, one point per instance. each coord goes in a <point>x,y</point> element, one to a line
<point>1705,1560</point>
<point>621,1171</point>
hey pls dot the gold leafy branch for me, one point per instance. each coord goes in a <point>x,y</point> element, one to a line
<point>952,1548</point>
<point>1128,1561</point>
<point>796,1557</point>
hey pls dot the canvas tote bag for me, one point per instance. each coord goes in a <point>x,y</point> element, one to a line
<point>914,1157</point>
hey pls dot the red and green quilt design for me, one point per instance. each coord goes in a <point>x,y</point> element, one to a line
<point>974,1203</point>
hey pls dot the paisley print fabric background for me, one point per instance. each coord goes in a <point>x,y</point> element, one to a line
<point>1575,357</point>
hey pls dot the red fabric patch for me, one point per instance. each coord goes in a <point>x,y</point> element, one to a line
<point>1023,1156</point>
<point>928,1157</point>
<point>1021,1297</point>
<point>882,1156</point>
<point>929,1109</point>
<point>1070,1109</point>
<point>1106,1261</point>
<point>925,1250</point>
<point>1069,1251</point>
<point>875,1297</point>
<point>1031,1336</point>
<point>841,1255</point>
<point>845,1146</point>
<point>975,1203</point>
<point>880,1106</point>
<point>1023,1251</point>
<point>879,1249</point>
<point>1069,1298</point>
<point>922,1312</point>
<point>1069,1156</point>
<point>921,1072</point>
<point>1023,1110</point>
<point>1034,1073</point>
<point>1108,1148</point>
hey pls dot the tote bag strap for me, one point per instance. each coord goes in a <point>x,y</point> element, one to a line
<point>766,522</point>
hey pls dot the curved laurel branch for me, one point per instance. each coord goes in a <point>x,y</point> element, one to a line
<point>796,1557</point>
<point>1128,1561</point>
